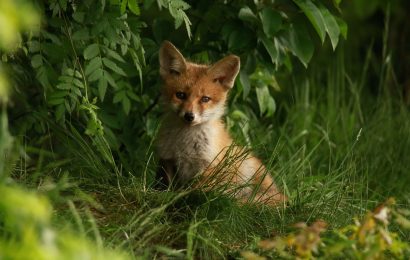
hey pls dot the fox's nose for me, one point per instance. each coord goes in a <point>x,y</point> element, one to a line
<point>189,116</point>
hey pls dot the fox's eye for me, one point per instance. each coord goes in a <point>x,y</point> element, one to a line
<point>218,80</point>
<point>180,95</point>
<point>174,72</point>
<point>205,99</point>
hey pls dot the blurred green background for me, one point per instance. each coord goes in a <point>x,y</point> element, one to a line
<point>322,97</point>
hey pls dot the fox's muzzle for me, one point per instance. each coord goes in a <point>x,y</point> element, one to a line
<point>189,117</point>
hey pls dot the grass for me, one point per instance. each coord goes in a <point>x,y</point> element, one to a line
<point>335,149</point>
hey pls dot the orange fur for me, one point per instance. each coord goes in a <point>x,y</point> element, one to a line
<point>193,140</point>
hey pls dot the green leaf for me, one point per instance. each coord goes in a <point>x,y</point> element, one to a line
<point>42,76</point>
<point>73,73</point>
<point>63,4</point>
<point>178,20</point>
<point>271,21</point>
<point>78,74</point>
<point>332,28</point>
<point>126,105</point>
<point>343,27</point>
<point>137,64</point>
<point>78,83</point>
<point>55,101</point>
<point>52,37</point>
<point>114,55</point>
<point>57,94</point>
<point>133,6</point>
<point>112,139</point>
<point>246,14</point>
<point>102,87</point>
<point>299,42</point>
<point>71,81</point>
<point>99,27</point>
<point>123,6</point>
<point>93,65</point>
<point>148,3</point>
<point>64,86</point>
<point>34,46</point>
<point>37,61</point>
<point>79,16</point>
<point>110,64</point>
<point>244,79</point>
<point>132,95</point>
<point>120,95</point>
<point>124,49</point>
<point>187,24</point>
<point>239,115</point>
<point>91,51</point>
<point>110,79</point>
<point>66,79</point>
<point>82,34</point>
<point>314,15</point>
<point>265,101</point>
<point>250,64</point>
<point>60,111</point>
<point>96,75</point>
<point>337,2</point>
<point>151,126</point>
<point>77,92</point>
<point>240,39</point>
<point>270,47</point>
<point>176,9</point>
<point>67,106</point>
<point>111,121</point>
<point>274,83</point>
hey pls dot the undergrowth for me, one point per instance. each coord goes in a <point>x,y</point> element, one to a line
<point>335,150</point>
<point>77,182</point>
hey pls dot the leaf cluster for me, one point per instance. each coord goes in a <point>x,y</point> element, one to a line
<point>369,238</point>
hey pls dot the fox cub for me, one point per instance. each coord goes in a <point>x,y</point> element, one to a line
<point>193,142</point>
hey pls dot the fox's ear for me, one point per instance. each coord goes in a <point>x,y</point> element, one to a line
<point>225,70</point>
<point>171,60</point>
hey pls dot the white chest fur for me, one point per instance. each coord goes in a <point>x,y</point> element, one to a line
<point>190,147</point>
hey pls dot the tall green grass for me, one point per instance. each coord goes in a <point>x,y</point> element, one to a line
<point>333,147</point>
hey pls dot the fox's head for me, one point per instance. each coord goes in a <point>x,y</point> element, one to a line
<point>196,93</point>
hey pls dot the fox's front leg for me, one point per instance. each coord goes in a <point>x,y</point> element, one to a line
<point>165,173</point>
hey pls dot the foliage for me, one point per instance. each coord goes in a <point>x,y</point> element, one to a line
<point>14,18</point>
<point>83,110</point>
<point>370,238</point>
<point>27,233</point>
<point>92,59</point>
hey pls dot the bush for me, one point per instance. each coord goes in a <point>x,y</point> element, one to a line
<point>93,64</point>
